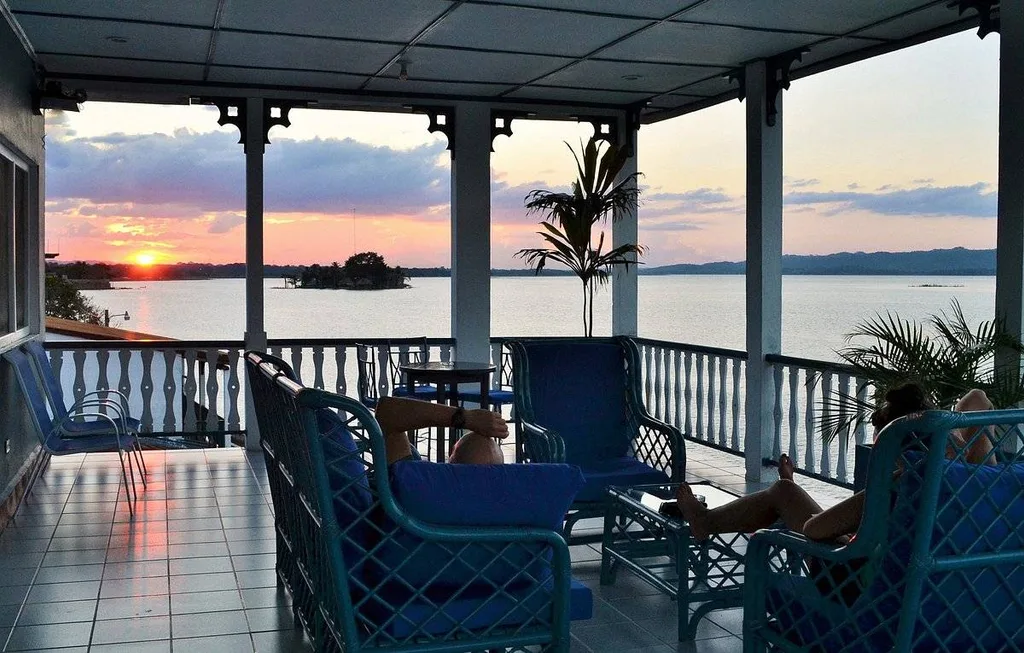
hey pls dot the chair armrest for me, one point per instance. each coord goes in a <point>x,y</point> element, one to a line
<point>651,440</point>
<point>542,445</point>
<point>77,409</point>
<point>59,427</point>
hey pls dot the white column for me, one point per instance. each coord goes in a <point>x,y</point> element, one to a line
<point>1010,222</point>
<point>764,264</point>
<point>471,232</point>
<point>255,332</point>
<point>624,230</point>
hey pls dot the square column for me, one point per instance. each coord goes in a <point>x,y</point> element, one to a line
<point>625,231</point>
<point>471,232</point>
<point>764,263</point>
<point>255,331</point>
<point>1010,211</point>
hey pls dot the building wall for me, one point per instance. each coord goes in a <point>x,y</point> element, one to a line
<point>22,131</point>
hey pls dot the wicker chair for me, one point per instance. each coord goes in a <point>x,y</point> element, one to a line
<point>937,563</point>
<point>373,563</point>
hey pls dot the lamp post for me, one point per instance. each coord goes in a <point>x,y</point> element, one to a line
<point>106,316</point>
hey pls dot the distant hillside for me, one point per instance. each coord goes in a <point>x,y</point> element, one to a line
<point>952,262</point>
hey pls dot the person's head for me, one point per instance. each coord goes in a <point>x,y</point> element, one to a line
<point>900,401</point>
<point>476,449</point>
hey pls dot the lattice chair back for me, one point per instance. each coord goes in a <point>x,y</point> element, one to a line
<point>379,577</point>
<point>936,565</point>
<point>367,379</point>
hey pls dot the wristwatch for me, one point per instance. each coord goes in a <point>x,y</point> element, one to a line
<point>458,418</point>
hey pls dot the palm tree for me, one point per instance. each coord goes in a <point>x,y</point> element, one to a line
<point>568,221</point>
<point>943,355</point>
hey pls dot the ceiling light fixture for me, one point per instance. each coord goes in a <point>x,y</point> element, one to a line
<point>403,71</point>
<point>115,39</point>
<point>632,78</point>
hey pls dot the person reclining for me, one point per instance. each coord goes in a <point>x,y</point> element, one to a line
<point>480,446</point>
<point>787,502</point>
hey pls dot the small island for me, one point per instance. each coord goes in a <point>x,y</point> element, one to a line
<point>363,271</point>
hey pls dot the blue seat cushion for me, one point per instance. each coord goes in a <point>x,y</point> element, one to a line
<point>494,397</point>
<point>95,426</point>
<point>350,488</point>
<point>472,609</point>
<point>424,392</point>
<point>623,471</point>
<point>468,496</point>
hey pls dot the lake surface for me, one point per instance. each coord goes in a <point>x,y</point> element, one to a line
<point>699,309</point>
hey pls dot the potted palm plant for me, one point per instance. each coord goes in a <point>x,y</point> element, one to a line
<point>568,221</point>
<point>942,354</point>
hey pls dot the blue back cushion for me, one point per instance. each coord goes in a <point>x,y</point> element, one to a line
<point>31,390</point>
<point>50,381</point>
<point>472,496</point>
<point>578,390</point>
<point>350,487</point>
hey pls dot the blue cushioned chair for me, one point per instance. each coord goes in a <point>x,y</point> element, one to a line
<point>578,401</point>
<point>937,563</point>
<point>421,556</point>
<point>94,424</point>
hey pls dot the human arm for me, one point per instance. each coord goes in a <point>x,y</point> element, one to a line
<point>397,415</point>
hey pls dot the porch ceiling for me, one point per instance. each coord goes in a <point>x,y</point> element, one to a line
<point>662,57</point>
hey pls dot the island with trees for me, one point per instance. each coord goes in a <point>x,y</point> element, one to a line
<point>363,271</point>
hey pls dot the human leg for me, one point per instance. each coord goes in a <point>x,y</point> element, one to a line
<point>784,500</point>
<point>979,449</point>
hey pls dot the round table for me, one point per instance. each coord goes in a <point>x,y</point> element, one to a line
<point>447,376</point>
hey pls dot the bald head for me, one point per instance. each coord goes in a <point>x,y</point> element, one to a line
<point>476,449</point>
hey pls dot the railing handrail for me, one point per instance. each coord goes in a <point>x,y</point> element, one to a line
<point>811,364</point>
<point>351,342</point>
<point>697,349</point>
<point>72,345</point>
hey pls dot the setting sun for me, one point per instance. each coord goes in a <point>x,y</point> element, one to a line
<point>143,258</point>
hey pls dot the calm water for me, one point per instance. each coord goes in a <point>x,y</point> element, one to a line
<point>706,310</point>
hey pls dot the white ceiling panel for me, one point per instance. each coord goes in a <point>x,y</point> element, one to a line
<point>578,95</point>
<point>122,67</point>
<point>528,30</point>
<point>920,21</point>
<point>720,46</point>
<point>800,15</point>
<point>710,87</point>
<point>414,87</point>
<point>192,12</point>
<point>257,76</point>
<point>393,20</point>
<point>461,66</point>
<point>635,8</point>
<point>273,51</point>
<point>638,77</point>
<point>90,37</point>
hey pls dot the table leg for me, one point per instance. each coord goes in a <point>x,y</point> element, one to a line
<point>442,445</point>
<point>485,391</point>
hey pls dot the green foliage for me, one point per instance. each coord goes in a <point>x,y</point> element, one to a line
<point>363,271</point>
<point>944,355</point>
<point>65,301</point>
<point>568,221</point>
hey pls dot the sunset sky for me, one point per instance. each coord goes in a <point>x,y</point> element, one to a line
<point>895,153</point>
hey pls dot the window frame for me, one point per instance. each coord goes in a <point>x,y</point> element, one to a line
<point>20,248</point>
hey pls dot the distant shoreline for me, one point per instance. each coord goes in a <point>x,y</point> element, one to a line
<point>956,262</point>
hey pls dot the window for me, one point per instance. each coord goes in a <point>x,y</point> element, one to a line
<point>19,282</point>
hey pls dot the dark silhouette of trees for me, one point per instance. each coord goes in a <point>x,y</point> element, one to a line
<point>363,271</point>
<point>66,301</point>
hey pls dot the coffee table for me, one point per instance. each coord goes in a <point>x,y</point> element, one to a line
<point>661,551</point>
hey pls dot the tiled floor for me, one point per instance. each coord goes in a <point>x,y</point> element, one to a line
<point>193,571</point>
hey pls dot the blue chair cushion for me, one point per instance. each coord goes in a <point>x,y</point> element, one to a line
<point>473,609</point>
<point>468,496</point>
<point>494,397</point>
<point>579,391</point>
<point>623,471</point>
<point>424,392</point>
<point>346,473</point>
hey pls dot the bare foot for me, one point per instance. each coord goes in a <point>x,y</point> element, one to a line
<point>785,467</point>
<point>694,512</point>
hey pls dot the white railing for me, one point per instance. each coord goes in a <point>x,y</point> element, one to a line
<point>699,390</point>
<point>174,390</point>
<point>805,393</point>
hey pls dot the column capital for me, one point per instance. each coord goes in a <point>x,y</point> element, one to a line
<point>988,14</point>
<point>233,111</point>
<point>778,79</point>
